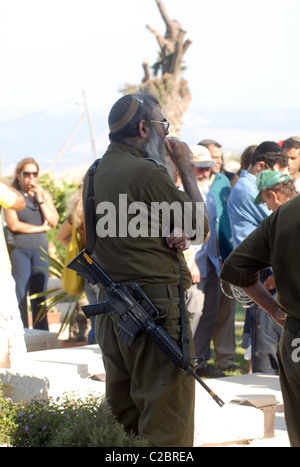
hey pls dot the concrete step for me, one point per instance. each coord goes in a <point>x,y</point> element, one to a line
<point>235,422</point>
<point>83,361</point>
<point>36,339</point>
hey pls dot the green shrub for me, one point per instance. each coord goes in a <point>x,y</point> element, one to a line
<point>69,421</point>
<point>8,414</point>
<point>36,423</point>
<point>61,192</point>
<point>92,424</point>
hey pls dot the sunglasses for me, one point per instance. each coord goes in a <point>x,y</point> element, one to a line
<point>166,125</point>
<point>27,174</point>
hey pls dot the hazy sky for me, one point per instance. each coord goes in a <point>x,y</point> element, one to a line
<point>244,55</point>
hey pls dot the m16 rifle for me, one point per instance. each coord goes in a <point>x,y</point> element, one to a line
<point>137,315</point>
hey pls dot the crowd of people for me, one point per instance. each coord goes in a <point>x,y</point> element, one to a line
<point>143,163</point>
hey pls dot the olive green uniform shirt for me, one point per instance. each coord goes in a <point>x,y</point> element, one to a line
<point>141,259</point>
<point>275,243</point>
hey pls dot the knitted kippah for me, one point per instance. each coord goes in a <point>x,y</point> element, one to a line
<point>123,111</point>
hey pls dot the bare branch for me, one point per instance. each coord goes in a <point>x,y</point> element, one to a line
<point>170,88</point>
<point>147,75</point>
<point>165,16</point>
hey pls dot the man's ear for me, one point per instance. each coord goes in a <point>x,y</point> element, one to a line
<point>143,128</point>
<point>261,165</point>
<point>273,195</point>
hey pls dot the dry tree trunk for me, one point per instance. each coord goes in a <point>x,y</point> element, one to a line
<point>170,88</point>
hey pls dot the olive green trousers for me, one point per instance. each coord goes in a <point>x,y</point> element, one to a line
<point>146,391</point>
<point>289,374</point>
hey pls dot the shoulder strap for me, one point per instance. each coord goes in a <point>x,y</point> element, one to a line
<point>89,214</point>
<point>185,340</point>
<point>159,164</point>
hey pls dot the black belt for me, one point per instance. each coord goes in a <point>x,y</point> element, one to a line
<point>153,291</point>
<point>293,325</point>
<point>161,291</point>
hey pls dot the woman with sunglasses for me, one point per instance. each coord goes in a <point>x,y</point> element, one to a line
<point>30,227</point>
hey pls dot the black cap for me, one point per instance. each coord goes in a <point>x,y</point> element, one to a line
<point>268,146</point>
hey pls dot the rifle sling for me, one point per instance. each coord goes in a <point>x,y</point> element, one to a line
<point>185,340</point>
<point>89,217</point>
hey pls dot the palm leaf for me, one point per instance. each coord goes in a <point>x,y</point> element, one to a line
<point>67,318</point>
<point>59,266</point>
<point>46,292</point>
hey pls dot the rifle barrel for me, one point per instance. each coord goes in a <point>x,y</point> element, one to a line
<point>210,392</point>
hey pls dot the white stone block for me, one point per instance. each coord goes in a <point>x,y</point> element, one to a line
<point>23,387</point>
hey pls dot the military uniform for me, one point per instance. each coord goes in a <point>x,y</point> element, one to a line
<point>146,391</point>
<point>276,243</point>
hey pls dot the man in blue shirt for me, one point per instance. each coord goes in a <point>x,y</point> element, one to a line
<point>243,214</point>
<point>244,217</point>
<point>224,331</point>
<point>204,295</point>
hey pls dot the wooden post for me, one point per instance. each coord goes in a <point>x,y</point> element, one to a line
<point>90,124</point>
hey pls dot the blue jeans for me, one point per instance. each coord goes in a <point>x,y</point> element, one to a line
<point>30,279</point>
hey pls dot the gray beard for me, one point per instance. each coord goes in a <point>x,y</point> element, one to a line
<point>154,148</point>
<point>203,186</point>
